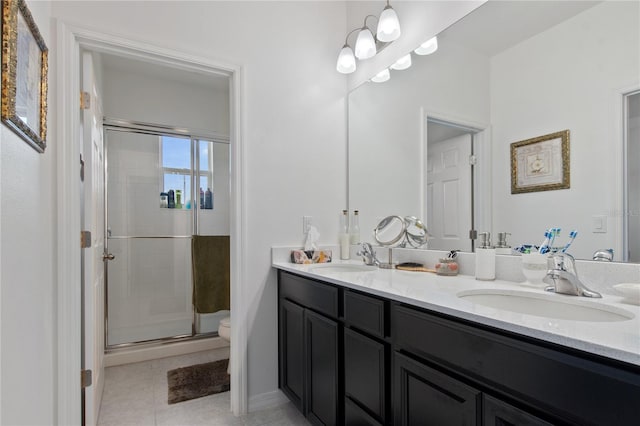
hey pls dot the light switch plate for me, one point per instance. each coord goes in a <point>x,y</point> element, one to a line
<point>599,224</point>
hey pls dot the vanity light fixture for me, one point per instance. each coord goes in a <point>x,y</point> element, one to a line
<point>382,76</point>
<point>388,25</point>
<point>402,63</point>
<point>388,30</point>
<point>428,47</point>
<point>346,61</point>
<point>365,43</point>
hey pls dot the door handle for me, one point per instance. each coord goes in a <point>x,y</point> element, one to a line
<point>108,256</point>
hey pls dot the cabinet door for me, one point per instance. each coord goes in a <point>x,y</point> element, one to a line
<point>424,396</point>
<point>321,335</point>
<point>499,413</point>
<point>291,346</point>
<point>364,372</point>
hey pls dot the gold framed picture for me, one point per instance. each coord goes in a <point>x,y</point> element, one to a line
<point>540,164</point>
<point>24,75</point>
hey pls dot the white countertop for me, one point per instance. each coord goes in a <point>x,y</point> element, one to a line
<point>618,340</point>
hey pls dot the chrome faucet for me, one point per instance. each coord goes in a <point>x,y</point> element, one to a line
<point>368,255</point>
<point>563,277</point>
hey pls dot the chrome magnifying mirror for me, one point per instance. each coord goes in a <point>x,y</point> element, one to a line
<point>416,232</point>
<point>390,230</point>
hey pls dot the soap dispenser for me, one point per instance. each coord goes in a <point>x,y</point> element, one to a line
<point>502,247</point>
<point>485,258</point>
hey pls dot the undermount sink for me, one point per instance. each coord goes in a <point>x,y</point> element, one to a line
<point>547,305</point>
<point>344,267</point>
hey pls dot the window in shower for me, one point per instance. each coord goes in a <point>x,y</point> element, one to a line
<point>178,166</point>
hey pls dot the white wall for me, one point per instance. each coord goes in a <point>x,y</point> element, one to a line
<point>294,122</point>
<point>154,99</point>
<point>27,256</point>
<point>386,125</point>
<point>551,71</point>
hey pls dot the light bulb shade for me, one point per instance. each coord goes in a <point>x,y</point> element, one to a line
<point>402,63</point>
<point>382,76</point>
<point>388,25</point>
<point>346,61</point>
<point>365,44</point>
<point>428,47</point>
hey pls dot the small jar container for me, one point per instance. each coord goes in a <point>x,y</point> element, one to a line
<point>447,266</point>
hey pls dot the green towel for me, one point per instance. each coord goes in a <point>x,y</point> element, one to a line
<point>210,260</point>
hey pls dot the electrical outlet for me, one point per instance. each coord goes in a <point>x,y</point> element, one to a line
<point>306,223</point>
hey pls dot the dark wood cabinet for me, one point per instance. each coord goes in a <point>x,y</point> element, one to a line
<point>424,396</point>
<point>310,343</point>
<point>365,373</point>
<point>323,392</point>
<point>292,348</point>
<point>349,358</point>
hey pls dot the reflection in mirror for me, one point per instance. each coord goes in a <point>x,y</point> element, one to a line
<point>389,231</point>
<point>416,232</point>
<point>511,71</point>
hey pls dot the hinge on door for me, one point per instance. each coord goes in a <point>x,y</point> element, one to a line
<point>473,234</point>
<point>81,169</point>
<point>85,100</point>
<point>473,160</point>
<point>85,239</point>
<point>85,378</point>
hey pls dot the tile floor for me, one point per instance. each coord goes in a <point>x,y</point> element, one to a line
<point>136,394</point>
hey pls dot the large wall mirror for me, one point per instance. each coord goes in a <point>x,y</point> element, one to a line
<point>434,141</point>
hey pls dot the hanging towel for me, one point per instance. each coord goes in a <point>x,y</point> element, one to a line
<point>210,261</point>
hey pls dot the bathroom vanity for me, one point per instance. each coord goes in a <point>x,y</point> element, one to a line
<point>382,347</point>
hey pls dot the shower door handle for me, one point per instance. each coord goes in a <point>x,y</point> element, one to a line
<point>108,256</point>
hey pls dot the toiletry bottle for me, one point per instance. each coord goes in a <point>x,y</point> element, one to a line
<point>164,200</point>
<point>178,199</point>
<point>172,199</point>
<point>485,258</point>
<point>502,247</point>
<point>354,229</point>
<point>201,198</point>
<point>208,199</point>
<point>343,237</point>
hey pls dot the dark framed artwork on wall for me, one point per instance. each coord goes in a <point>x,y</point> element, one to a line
<point>541,163</point>
<point>24,75</point>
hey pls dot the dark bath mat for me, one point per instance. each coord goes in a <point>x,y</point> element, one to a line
<point>197,381</point>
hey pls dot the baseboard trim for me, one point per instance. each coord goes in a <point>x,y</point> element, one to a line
<point>129,356</point>
<point>267,400</point>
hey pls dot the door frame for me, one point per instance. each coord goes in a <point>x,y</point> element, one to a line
<point>481,173</point>
<point>71,38</point>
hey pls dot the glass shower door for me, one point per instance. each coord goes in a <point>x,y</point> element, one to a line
<point>149,294</point>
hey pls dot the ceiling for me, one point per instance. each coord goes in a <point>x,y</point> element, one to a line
<point>498,25</point>
<point>167,72</point>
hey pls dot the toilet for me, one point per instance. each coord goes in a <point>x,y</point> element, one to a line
<point>224,331</point>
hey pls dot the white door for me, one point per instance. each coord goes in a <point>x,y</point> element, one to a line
<point>93,156</point>
<point>449,194</point>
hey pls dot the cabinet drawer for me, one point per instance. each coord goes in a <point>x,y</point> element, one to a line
<point>365,312</point>
<point>549,378</point>
<point>424,396</point>
<point>317,296</point>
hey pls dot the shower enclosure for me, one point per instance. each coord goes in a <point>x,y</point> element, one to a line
<point>149,279</point>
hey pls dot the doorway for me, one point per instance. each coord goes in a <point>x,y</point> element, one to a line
<point>72,40</point>
<point>450,186</point>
